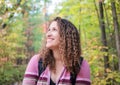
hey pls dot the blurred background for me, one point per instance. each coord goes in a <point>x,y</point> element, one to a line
<point>23,25</point>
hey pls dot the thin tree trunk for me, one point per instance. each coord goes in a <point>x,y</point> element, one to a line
<point>97,12</point>
<point>112,42</point>
<point>100,15</point>
<point>106,15</point>
<point>116,27</point>
<point>103,35</point>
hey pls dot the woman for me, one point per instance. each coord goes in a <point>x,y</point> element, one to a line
<point>61,58</point>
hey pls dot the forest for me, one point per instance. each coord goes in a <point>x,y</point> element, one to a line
<point>22,29</point>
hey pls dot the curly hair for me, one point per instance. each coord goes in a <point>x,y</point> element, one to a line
<point>69,47</point>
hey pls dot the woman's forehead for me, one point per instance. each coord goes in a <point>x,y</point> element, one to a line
<point>53,24</point>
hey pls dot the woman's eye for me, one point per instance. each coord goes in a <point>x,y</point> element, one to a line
<point>48,29</point>
<point>54,29</point>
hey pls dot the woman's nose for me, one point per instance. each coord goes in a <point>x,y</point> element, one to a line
<point>48,34</point>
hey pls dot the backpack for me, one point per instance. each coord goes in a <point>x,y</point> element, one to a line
<point>72,76</point>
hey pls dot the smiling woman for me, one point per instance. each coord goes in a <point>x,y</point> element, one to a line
<point>61,58</point>
<point>53,36</point>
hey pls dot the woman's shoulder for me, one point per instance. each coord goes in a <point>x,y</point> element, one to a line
<point>36,57</point>
<point>84,73</point>
<point>33,64</point>
<point>85,68</point>
<point>85,64</point>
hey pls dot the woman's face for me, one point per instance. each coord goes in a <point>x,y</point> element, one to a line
<point>52,36</point>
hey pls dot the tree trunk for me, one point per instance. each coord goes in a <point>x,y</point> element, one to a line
<point>116,27</point>
<point>103,35</point>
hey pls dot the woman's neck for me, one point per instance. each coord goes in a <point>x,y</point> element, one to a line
<point>56,55</point>
<point>58,58</point>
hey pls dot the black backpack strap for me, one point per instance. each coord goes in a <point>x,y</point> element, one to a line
<point>40,67</point>
<point>73,76</point>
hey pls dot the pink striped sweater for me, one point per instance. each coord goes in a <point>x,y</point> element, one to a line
<point>31,75</point>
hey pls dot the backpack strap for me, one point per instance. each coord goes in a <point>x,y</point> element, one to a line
<point>73,76</point>
<point>40,67</point>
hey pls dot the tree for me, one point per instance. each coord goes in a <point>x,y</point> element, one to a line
<point>103,34</point>
<point>116,27</point>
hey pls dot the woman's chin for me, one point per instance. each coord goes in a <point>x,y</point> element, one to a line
<point>47,46</point>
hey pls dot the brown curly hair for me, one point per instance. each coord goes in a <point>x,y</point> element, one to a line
<point>69,47</point>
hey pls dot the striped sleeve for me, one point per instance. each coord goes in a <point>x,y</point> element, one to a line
<point>31,73</point>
